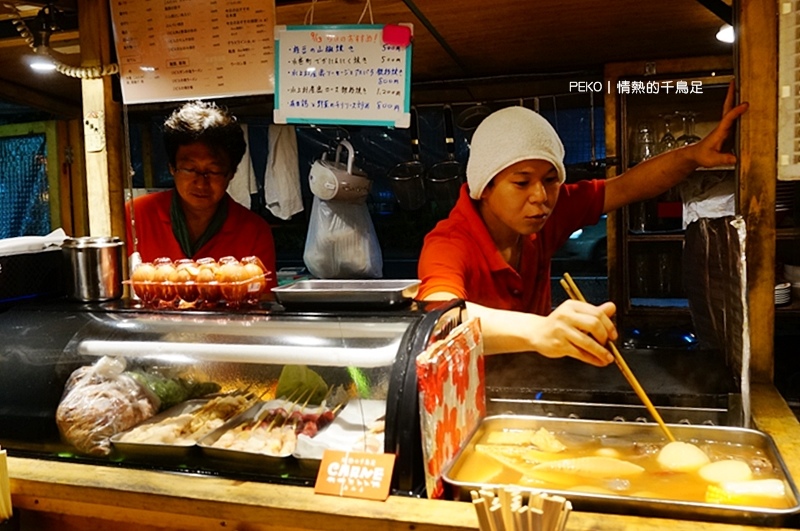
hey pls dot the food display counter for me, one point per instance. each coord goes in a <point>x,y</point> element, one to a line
<point>80,383</point>
<point>56,486</point>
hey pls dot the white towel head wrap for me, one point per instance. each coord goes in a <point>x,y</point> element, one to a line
<point>508,136</point>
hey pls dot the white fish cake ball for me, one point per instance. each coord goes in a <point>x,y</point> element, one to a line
<point>726,470</point>
<point>679,456</point>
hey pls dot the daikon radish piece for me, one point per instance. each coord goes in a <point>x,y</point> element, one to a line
<point>545,441</point>
<point>757,492</point>
<point>508,455</point>
<point>592,466</point>
<point>679,456</point>
<point>535,456</point>
<point>726,470</point>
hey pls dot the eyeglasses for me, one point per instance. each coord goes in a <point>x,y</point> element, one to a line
<point>216,176</point>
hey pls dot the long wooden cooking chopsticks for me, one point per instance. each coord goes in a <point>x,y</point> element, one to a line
<point>574,293</point>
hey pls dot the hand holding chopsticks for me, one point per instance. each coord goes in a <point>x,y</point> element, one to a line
<point>575,293</point>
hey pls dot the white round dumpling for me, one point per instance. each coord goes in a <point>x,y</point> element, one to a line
<point>726,470</point>
<point>679,456</point>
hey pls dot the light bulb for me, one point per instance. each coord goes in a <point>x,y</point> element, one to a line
<point>42,66</point>
<point>725,33</point>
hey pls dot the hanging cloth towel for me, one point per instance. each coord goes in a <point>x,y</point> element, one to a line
<point>244,180</point>
<point>282,177</point>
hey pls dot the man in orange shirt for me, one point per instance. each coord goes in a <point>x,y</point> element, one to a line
<point>515,211</point>
<point>197,218</point>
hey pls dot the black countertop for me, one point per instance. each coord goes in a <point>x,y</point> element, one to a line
<point>671,378</point>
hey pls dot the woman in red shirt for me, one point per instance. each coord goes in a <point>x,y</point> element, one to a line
<point>515,211</point>
<point>197,218</point>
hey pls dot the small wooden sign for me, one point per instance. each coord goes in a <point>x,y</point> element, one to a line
<point>355,475</point>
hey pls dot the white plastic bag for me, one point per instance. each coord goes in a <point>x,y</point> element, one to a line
<point>341,241</point>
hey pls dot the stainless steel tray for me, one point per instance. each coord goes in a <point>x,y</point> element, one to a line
<point>251,461</point>
<point>159,450</point>
<point>648,433</point>
<point>373,292</point>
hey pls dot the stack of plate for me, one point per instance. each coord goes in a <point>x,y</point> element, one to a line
<point>783,293</point>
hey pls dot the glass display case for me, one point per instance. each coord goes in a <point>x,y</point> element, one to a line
<point>287,368</point>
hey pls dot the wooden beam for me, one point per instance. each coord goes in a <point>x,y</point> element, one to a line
<point>758,85</point>
<point>102,119</point>
<point>53,174</point>
<point>77,172</point>
<point>29,98</point>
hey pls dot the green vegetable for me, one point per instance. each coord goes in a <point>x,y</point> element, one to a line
<point>172,391</point>
<point>298,383</point>
<point>360,380</point>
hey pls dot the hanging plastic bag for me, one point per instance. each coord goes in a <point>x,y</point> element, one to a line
<point>341,241</point>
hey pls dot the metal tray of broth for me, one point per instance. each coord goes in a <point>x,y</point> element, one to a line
<point>381,293</point>
<point>473,469</point>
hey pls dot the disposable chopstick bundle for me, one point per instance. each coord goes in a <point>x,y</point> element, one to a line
<point>5,488</point>
<point>506,510</point>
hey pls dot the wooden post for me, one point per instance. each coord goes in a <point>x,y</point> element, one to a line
<point>758,65</point>
<point>102,125</point>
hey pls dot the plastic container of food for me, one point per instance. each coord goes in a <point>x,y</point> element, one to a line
<point>202,284</point>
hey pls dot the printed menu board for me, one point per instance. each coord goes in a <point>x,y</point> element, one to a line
<point>344,74</point>
<point>192,49</point>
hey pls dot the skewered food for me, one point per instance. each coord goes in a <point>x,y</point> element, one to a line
<point>299,380</point>
<point>274,430</point>
<point>189,427</point>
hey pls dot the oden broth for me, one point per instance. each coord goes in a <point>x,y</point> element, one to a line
<point>507,457</point>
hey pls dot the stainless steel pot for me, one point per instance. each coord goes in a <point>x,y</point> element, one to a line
<point>93,268</point>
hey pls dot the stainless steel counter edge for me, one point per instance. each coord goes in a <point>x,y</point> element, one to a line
<point>52,494</point>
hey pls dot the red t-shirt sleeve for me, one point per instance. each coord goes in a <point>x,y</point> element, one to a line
<point>441,267</point>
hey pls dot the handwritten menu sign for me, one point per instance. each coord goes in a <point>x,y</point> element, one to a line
<point>341,75</point>
<point>185,49</point>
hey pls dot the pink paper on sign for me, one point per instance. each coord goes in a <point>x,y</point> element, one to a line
<point>396,35</point>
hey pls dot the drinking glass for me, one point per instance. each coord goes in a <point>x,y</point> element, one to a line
<point>667,141</point>
<point>645,145</point>
<point>688,136</point>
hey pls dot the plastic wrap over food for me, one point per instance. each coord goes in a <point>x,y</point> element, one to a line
<point>99,401</point>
